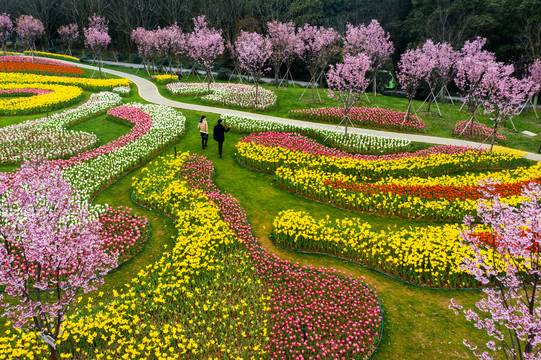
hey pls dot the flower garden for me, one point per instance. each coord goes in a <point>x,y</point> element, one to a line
<point>218,288</point>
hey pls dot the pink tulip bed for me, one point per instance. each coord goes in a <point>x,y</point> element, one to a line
<point>23,92</point>
<point>364,116</point>
<point>477,132</point>
<point>124,232</point>
<point>341,316</point>
<point>229,95</point>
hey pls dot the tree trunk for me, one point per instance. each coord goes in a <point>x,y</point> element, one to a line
<point>208,81</point>
<point>407,112</point>
<point>374,85</point>
<point>313,81</point>
<point>276,73</point>
<point>429,103</point>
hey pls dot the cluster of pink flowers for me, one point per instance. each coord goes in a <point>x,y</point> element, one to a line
<point>22,92</point>
<point>299,143</point>
<point>477,131</point>
<point>365,116</point>
<point>307,320</point>
<point>124,233</point>
<point>132,114</point>
<point>13,58</point>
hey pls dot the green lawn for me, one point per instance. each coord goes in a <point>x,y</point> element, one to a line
<point>417,322</point>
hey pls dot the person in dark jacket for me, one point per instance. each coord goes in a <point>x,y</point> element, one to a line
<point>219,135</point>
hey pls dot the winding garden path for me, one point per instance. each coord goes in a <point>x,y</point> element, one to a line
<point>149,92</point>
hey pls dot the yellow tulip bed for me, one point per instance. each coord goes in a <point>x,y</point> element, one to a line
<point>58,96</point>
<point>427,256</point>
<point>85,83</point>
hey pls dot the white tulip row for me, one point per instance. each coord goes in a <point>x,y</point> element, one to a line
<point>122,90</point>
<point>88,177</point>
<point>353,143</point>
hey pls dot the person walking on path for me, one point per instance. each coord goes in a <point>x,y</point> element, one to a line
<point>203,127</point>
<point>219,135</point>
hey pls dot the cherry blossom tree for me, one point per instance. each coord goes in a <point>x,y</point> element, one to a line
<point>507,264</point>
<point>97,37</point>
<point>534,73</point>
<point>140,37</point>
<point>347,81</point>
<point>443,57</point>
<point>29,30</point>
<point>504,94</point>
<point>6,27</point>
<point>314,46</point>
<point>284,46</point>
<point>50,249</point>
<point>373,41</point>
<point>414,67</point>
<point>204,45</point>
<point>69,35</point>
<point>471,64</point>
<point>169,43</point>
<point>253,50</point>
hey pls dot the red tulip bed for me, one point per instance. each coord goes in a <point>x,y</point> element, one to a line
<point>39,69</point>
<point>364,116</point>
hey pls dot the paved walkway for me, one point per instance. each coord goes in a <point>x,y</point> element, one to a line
<point>149,92</point>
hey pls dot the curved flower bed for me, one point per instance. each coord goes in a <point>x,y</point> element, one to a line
<point>156,126</point>
<point>124,232</point>
<point>57,97</point>
<point>51,55</point>
<point>37,60</point>
<point>353,143</point>
<point>85,83</point>
<point>25,141</point>
<point>39,68</point>
<point>476,132</point>
<point>261,152</point>
<point>427,256</point>
<point>364,116</point>
<point>47,137</point>
<point>230,95</point>
<point>427,202</point>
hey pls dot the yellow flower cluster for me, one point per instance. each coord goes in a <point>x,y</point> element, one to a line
<point>60,96</point>
<point>201,300</point>
<point>56,56</point>
<point>428,256</point>
<point>470,179</point>
<point>165,78</point>
<point>265,158</point>
<point>85,83</point>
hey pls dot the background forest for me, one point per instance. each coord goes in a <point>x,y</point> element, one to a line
<point>512,27</point>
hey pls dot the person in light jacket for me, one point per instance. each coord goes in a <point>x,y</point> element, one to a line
<point>203,127</point>
<point>219,135</point>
